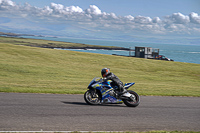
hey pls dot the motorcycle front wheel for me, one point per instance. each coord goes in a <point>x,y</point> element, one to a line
<point>92,98</point>
<point>133,101</point>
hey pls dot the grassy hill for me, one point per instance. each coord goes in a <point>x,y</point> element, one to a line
<point>54,44</point>
<point>39,70</point>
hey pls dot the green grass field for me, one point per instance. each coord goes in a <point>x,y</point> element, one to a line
<point>40,70</point>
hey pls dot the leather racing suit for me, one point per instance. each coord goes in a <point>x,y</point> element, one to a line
<point>115,80</point>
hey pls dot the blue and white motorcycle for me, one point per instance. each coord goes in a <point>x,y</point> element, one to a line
<point>104,92</point>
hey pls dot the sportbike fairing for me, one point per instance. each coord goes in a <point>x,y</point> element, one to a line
<point>106,89</point>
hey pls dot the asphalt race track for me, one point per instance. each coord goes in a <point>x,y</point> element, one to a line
<point>54,112</point>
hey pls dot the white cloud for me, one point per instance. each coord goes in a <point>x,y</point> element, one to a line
<point>7,3</point>
<point>156,20</point>
<point>94,18</point>
<point>142,20</point>
<point>93,10</point>
<point>129,17</point>
<point>57,8</point>
<point>47,10</point>
<point>74,9</point>
<point>179,18</point>
<point>195,18</point>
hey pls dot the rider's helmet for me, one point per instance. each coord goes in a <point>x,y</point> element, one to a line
<point>105,72</point>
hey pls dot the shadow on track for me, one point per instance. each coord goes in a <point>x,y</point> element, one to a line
<point>82,103</point>
<point>75,103</point>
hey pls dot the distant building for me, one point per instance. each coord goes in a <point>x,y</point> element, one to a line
<point>146,52</point>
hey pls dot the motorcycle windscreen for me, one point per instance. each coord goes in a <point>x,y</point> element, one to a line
<point>127,85</point>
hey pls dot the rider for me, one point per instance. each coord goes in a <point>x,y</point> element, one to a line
<point>107,75</point>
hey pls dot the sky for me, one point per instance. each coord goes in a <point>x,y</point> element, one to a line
<point>167,21</point>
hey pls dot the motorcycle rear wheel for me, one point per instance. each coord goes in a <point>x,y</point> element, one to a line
<point>92,99</point>
<point>134,101</point>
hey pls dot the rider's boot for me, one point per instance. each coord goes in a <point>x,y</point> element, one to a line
<point>122,91</point>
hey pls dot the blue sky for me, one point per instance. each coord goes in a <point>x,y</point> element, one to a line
<point>151,8</point>
<point>105,19</point>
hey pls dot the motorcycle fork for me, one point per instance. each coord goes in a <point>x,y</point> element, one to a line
<point>93,93</point>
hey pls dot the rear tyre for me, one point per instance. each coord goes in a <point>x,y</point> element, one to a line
<point>92,98</point>
<point>133,101</point>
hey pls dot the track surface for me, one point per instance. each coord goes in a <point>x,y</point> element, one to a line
<point>53,112</point>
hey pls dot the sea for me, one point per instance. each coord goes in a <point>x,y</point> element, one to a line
<point>178,52</point>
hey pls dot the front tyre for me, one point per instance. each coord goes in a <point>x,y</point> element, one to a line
<point>92,98</point>
<point>133,101</point>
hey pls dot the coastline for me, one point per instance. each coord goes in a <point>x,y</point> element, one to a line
<point>57,44</point>
<point>93,47</point>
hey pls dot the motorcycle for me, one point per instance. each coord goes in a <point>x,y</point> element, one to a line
<point>102,91</point>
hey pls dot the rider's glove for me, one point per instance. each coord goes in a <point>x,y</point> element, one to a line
<point>104,79</point>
